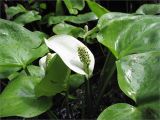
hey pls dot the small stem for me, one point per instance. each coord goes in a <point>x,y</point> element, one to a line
<point>103,72</point>
<point>67,104</point>
<point>95,29</point>
<point>88,97</point>
<point>27,71</point>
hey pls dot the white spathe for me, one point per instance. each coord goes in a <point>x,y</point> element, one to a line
<point>66,47</point>
<point>42,61</point>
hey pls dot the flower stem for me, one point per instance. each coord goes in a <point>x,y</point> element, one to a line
<point>88,98</point>
<point>51,115</point>
<point>105,84</point>
<point>67,104</point>
<point>69,112</point>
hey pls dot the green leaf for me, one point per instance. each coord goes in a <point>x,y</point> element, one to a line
<point>96,8</point>
<point>120,111</point>
<point>41,35</point>
<point>11,11</point>
<point>76,80</point>
<point>149,9</point>
<point>16,48</point>
<point>124,40</point>
<point>123,111</point>
<point>74,5</point>
<point>56,19</point>
<point>134,40</point>
<point>35,71</point>
<point>110,17</point>
<point>28,17</point>
<point>82,18</point>
<point>79,19</point>
<point>64,28</point>
<point>55,80</point>
<point>18,98</point>
<point>138,76</point>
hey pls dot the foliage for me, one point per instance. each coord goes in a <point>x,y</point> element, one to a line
<point>20,98</point>
<point>21,15</point>
<point>16,50</point>
<point>138,53</point>
<point>133,51</point>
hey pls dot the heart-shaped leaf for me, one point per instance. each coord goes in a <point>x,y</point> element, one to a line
<point>27,17</point>
<point>11,11</point>
<point>18,98</point>
<point>138,76</point>
<point>120,37</point>
<point>64,28</point>
<point>120,111</point>
<point>135,41</point>
<point>18,47</point>
<point>79,19</point>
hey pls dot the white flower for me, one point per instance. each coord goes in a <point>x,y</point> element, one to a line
<point>43,61</point>
<point>73,53</point>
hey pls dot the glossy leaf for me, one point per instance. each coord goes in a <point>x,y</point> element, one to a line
<point>79,19</point>
<point>110,17</point>
<point>74,5</point>
<point>109,32</point>
<point>96,8</point>
<point>18,98</point>
<point>28,17</point>
<point>149,9</point>
<point>124,111</point>
<point>138,76</point>
<point>16,48</point>
<point>11,11</point>
<point>124,40</point>
<point>55,80</point>
<point>64,28</point>
<point>120,111</point>
<point>134,40</point>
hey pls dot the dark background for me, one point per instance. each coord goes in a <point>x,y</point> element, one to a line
<point>112,5</point>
